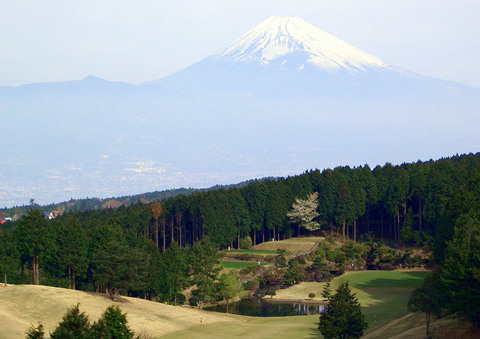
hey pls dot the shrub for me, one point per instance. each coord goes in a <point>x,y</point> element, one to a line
<point>271,292</point>
<point>75,325</point>
<point>340,257</point>
<point>252,285</point>
<point>319,262</point>
<point>330,239</point>
<point>331,255</point>
<point>193,300</point>
<point>348,249</point>
<point>246,242</point>
<point>311,295</point>
<point>385,266</point>
<point>360,248</point>
<point>324,245</point>
<point>382,251</point>
<point>280,261</point>
<point>180,298</point>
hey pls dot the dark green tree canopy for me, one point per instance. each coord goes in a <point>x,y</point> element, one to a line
<point>74,325</point>
<point>343,317</point>
<point>112,325</point>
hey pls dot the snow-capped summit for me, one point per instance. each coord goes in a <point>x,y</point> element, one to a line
<point>290,42</point>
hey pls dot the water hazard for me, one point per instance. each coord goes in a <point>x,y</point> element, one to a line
<point>261,308</point>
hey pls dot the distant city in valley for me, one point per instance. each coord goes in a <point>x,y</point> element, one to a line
<point>283,98</point>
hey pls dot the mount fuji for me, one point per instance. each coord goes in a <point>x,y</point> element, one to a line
<point>283,98</point>
<point>285,51</point>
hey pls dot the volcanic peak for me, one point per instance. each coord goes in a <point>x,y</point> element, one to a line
<point>278,39</point>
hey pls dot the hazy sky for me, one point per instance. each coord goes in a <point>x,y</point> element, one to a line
<point>139,41</point>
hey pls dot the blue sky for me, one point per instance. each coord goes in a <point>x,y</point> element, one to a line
<point>139,41</point>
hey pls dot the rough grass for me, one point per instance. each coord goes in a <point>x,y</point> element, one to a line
<point>297,244</point>
<point>412,325</point>
<point>23,305</point>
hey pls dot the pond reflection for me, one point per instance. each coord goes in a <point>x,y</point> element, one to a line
<point>261,308</point>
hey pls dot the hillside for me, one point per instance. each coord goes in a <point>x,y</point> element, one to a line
<point>21,306</point>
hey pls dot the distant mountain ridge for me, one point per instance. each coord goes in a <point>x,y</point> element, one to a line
<point>86,204</point>
<point>283,98</point>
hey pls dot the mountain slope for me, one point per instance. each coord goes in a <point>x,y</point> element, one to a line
<point>286,56</point>
<point>280,40</point>
<point>283,98</point>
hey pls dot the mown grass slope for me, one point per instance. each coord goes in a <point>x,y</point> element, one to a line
<point>383,295</point>
<point>23,305</point>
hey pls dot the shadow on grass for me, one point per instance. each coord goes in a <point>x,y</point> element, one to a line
<point>315,333</point>
<point>384,294</point>
<point>407,279</point>
<point>385,278</point>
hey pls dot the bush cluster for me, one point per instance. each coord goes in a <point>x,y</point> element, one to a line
<point>112,324</point>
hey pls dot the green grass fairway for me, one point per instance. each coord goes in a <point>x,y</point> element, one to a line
<point>383,278</point>
<point>239,264</point>
<point>382,294</point>
<point>255,328</point>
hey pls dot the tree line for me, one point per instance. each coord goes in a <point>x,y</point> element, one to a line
<point>407,202</point>
<point>92,250</point>
<point>454,285</point>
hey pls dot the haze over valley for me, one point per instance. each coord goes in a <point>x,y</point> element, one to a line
<point>284,97</point>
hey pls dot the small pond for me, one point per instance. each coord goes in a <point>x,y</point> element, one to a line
<point>261,308</point>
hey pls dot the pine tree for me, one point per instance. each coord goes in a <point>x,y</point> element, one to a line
<point>428,299</point>
<point>36,332</point>
<point>72,249</point>
<point>204,260</point>
<point>8,253</point>
<point>343,317</point>
<point>460,270</point>
<point>173,272</point>
<point>75,325</point>
<point>34,238</point>
<point>120,267</point>
<point>112,325</point>
<point>326,292</point>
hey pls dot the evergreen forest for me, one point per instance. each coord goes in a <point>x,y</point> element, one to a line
<point>157,249</point>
